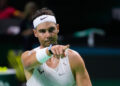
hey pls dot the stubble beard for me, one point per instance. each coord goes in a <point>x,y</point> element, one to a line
<point>52,40</point>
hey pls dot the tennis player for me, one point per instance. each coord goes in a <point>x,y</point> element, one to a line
<point>51,64</point>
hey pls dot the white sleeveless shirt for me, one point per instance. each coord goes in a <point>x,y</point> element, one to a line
<point>46,76</point>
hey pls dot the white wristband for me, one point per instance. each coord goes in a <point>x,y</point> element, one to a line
<point>41,55</point>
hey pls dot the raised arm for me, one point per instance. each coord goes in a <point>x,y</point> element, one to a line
<point>30,59</point>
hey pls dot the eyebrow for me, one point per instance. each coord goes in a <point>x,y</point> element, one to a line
<point>51,27</point>
<point>44,30</point>
<point>47,28</point>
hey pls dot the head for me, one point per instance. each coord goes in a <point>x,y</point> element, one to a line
<point>46,30</point>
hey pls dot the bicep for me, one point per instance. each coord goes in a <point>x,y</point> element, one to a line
<point>28,73</point>
<point>82,76</point>
<point>29,60</point>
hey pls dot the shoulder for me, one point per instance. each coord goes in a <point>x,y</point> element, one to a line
<point>29,52</point>
<point>25,53</point>
<point>75,59</point>
<point>74,55</point>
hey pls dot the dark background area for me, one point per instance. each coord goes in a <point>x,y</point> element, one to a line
<point>75,15</point>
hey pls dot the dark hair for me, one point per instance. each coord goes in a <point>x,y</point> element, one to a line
<point>42,11</point>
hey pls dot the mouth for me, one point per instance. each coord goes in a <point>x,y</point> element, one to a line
<point>51,41</point>
<point>47,42</point>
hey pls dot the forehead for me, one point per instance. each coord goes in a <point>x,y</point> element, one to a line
<point>46,25</point>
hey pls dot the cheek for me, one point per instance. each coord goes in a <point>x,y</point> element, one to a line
<point>40,35</point>
<point>55,37</point>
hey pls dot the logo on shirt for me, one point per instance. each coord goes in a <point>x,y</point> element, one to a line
<point>61,74</point>
<point>40,71</point>
<point>64,63</point>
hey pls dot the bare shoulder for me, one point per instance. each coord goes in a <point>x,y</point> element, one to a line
<point>75,58</point>
<point>26,57</point>
<point>74,55</point>
<point>27,53</point>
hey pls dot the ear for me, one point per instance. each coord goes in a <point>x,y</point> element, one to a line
<point>35,32</point>
<point>57,28</point>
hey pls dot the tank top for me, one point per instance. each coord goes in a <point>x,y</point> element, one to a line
<point>46,76</point>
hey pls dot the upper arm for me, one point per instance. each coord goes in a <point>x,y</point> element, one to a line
<point>82,76</point>
<point>78,66</point>
<point>29,60</point>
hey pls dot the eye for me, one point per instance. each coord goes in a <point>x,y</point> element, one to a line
<point>51,29</point>
<point>42,31</point>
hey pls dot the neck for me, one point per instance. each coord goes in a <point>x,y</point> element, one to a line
<point>42,47</point>
<point>55,43</point>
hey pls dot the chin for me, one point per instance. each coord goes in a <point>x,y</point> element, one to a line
<point>47,45</point>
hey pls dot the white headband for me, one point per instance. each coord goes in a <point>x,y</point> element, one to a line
<point>42,19</point>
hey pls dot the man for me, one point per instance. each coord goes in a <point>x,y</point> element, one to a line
<point>52,64</point>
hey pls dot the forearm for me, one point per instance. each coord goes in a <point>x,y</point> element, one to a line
<point>31,59</point>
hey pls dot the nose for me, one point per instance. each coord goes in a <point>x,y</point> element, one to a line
<point>47,34</point>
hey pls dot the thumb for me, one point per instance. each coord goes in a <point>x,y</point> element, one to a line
<point>66,46</point>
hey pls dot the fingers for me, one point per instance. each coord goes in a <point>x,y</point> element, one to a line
<point>66,46</point>
<point>59,50</point>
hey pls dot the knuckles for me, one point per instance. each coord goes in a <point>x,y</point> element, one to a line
<point>57,47</point>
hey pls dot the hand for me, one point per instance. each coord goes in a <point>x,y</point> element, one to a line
<point>59,50</point>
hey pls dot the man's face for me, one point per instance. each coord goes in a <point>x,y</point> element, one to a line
<point>47,33</point>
